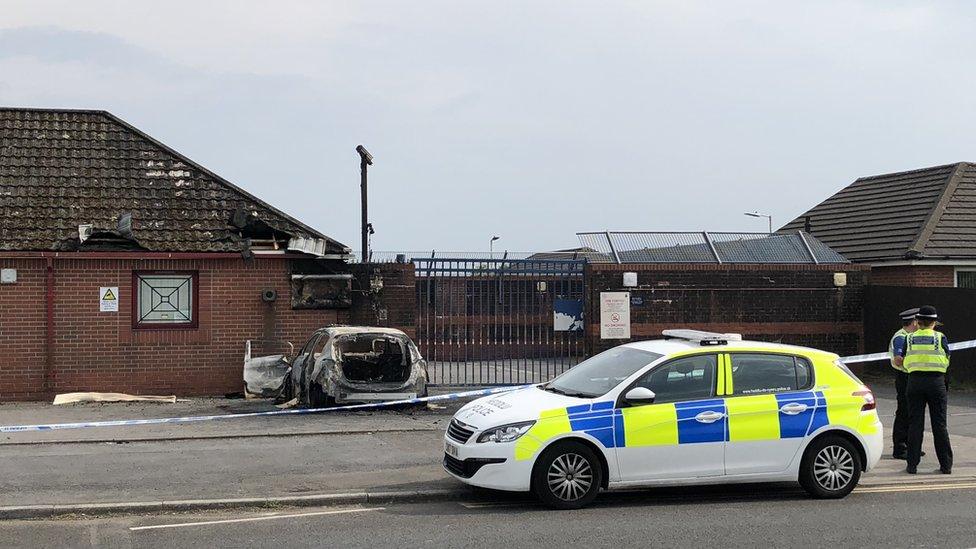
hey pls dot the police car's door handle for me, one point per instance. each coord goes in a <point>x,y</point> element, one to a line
<point>793,408</point>
<point>709,417</point>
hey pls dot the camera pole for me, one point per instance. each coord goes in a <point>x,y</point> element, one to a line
<point>365,159</point>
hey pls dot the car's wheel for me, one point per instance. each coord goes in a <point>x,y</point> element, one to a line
<point>567,475</point>
<point>831,467</point>
<point>317,397</point>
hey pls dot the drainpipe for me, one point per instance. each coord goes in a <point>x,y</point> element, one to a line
<point>49,347</point>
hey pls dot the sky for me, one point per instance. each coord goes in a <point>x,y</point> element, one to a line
<point>529,120</point>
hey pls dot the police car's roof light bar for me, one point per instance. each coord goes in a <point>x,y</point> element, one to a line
<point>703,338</point>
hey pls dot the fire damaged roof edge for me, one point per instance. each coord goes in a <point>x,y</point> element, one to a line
<point>342,247</point>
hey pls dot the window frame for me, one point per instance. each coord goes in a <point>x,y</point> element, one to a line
<point>955,275</point>
<point>811,383</point>
<point>622,403</point>
<point>194,304</point>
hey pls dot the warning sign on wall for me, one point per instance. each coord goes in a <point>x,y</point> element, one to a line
<point>108,299</point>
<point>614,315</point>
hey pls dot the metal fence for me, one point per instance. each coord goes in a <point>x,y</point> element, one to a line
<point>384,256</point>
<point>493,321</point>
<point>706,247</point>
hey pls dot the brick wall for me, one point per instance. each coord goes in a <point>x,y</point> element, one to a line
<point>919,276</point>
<point>394,304</point>
<point>97,351</point>
<point>22,328</point>
<point>796,304</point>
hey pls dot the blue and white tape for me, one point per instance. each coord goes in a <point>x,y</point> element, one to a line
<point>291,412</point>
<point>371,406</point>
<point>884,356</point>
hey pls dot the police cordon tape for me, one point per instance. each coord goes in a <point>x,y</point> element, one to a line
<point>884,356</point>
<point>372,406</point>
<point>293,412</point>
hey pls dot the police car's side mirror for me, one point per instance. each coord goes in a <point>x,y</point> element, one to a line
<point>640,395</point>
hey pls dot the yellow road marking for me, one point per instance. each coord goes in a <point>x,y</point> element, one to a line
<point>253,519</point>
<point>962,485</point>
<point>916,488</point>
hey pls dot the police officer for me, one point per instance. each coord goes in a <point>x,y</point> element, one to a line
<point>896,348</point>
<point>926,359</point>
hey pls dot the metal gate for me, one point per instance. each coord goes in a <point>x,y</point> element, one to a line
<point>499,321</point>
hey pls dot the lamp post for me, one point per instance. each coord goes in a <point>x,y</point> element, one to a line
<point>365,159</point>
<point>491,246</point>
<point>767,216</point>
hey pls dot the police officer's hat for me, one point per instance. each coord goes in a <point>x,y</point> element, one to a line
<point>927,312</point>
<point>908,315</point>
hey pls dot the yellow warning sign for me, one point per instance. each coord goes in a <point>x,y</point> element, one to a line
<point>108,300</point>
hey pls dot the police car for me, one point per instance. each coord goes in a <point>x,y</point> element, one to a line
<point>692,408</point>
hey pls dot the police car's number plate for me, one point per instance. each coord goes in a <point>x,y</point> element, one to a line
<point>450,449</point>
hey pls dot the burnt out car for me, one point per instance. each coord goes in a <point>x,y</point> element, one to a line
<point>342,364</point>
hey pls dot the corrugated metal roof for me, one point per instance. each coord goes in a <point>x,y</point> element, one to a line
<point>708,247</point>
<point>63,168</point>
<point>927,213</point>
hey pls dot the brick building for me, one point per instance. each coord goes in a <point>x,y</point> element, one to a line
<point>128,267</point>
<point>800,304</point>
<point>788,288</point>
<point>914,228</point>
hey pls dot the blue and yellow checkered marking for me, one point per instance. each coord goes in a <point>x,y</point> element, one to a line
<point>795,426</point>
<point>691,431</point>
<point>820,417</point>
<point>744,418</point>
<point>596,420</point>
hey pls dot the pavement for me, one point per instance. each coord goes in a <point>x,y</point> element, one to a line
<point>332,458</point>
<point>402,419</point>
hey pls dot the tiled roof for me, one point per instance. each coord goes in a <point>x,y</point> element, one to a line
<point>920,214</point>
<point>63,168</point>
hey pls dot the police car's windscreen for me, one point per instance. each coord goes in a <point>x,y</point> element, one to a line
<point>597,375</point>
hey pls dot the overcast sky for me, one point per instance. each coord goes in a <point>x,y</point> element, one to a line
<point>529,120</point>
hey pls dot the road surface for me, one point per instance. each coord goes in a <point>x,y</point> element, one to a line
<point>934,515</point>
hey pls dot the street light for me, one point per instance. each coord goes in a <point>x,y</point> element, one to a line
<point>365,159</point>
<point>767,216</point>
<point>491,246</point>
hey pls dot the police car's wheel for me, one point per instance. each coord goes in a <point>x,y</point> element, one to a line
<point>567,475</point>
<point>831,467</point>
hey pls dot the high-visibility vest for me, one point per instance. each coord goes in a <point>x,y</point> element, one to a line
<point>891,349</point>
<point>924,352</point>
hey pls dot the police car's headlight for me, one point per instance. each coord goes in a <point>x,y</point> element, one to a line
<point>506,433</point>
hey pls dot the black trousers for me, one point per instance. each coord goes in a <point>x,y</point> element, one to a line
<point>899,430</point>
<point>926,389</point>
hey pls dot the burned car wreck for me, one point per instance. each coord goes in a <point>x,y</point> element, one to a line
<point>341,364</point>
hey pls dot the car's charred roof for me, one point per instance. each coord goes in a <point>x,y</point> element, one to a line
<point>347,330</point>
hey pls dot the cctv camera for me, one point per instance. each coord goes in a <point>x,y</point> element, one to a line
<point>368,158</point>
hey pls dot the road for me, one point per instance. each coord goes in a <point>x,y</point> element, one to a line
<point>933,515</point>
